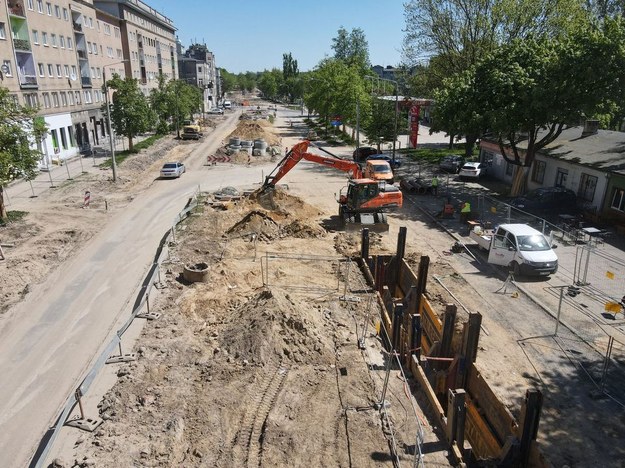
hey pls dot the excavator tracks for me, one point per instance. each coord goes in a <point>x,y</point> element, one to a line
<point>250,437</point>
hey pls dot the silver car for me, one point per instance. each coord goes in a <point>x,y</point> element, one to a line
<point>172,169</point>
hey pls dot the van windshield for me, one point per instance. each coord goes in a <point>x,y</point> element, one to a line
<point>533,243</point>
<point>381,168</point>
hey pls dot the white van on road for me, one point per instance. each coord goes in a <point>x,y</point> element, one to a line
<point>520,247</point>
<point>227,105</point>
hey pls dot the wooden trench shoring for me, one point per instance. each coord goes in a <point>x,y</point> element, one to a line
<point>480,429</point>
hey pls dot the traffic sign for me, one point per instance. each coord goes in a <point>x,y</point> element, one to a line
<point>217,159</point>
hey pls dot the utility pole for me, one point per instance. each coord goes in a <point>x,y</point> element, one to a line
<point>110,130</point>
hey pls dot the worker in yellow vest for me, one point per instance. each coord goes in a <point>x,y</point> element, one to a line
<point>435,186</point>
<point>465,212</point>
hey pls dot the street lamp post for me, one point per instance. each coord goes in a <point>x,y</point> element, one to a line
<point>108,118</point>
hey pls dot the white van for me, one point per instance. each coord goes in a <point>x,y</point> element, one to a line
<point>520,247</point>
<point>227,105</point>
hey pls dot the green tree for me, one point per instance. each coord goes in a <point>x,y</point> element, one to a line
<point>380,126</point>
<point>289,66</point>
<point>160,104</point>
<point>228,81</point>
<point>352,48</point>
<point>528,90</point>
<point>130,110</point>
<point>20,130</point>
<point>269,83</point>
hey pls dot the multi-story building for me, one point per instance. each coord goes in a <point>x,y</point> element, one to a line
<point>148,41</point>
<point>56,54</point>
<point>197,67</point>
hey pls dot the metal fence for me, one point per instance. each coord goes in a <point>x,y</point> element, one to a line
<point>141,309</point>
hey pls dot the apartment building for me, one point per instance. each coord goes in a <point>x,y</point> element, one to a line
<point>56,54</point>
<point>197,67</point>
<point>148,41</point>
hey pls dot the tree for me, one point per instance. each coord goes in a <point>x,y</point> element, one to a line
<point>352,48</point>
<point>160,104</point>
<point>20,131</point>
<point>529,90</point>
<point>130,110</point>
<point>380,126</point>
<point>289,66</point>
<point>270,83</point>
<point>228,81</point>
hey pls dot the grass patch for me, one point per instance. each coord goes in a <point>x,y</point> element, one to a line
<point>13,217</point>
<point>122,155</point>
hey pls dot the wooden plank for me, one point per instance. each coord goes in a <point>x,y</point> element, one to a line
<point>432,326</point>
<point>407,278</point>
<point>491,408</point>
<point>483,441</point>
<point>417,371</point>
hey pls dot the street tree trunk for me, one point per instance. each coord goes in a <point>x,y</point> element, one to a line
<point>131,144</point>
<point>469,145</point>
<point>519,181</point>
<point>3,210</point>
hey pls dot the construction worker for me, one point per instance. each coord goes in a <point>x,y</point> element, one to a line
<point>465,212</point>
<point>435,186</point>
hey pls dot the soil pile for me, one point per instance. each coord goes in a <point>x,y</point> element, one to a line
<point>255,130</point>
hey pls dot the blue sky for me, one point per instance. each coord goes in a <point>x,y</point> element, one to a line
<point>252,35</point>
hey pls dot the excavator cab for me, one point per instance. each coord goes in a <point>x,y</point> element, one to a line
<point>359,192</point>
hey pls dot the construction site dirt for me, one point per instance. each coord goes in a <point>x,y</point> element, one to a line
<point>263,364</point>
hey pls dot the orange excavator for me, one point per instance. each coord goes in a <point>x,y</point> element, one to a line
<point>362,203</point>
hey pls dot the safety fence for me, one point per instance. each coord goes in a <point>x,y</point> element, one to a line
<point>141,310</point>
<point>479,427</point>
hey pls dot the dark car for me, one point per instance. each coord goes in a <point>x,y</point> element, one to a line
<point>547,200</point>
<point>451,163</point>
<point>388,158</point>
<point>361,154</point>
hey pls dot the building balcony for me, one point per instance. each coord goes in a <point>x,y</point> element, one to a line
<point>77,26</point>
<point>82,54</point>
<point>21,44</point>
<point>28,81</point>
<point>16,8</point>
<point>85,81</point>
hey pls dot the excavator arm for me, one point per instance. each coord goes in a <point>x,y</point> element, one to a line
<point>299,152</point>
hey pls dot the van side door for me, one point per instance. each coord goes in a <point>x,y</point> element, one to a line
<point>502,248</point>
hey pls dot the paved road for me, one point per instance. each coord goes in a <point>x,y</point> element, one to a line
<point>49,340</point>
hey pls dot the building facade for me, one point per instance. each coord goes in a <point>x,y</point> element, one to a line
<point>56,55</point>
<point>197,67</point>
<point>148,41</point>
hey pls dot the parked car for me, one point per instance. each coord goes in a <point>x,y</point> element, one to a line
<point>547,200</point>
<point>388,158</point>
<point>216,110</point>
<point>172,169</point>
<point>451,163</point>
<point>361,154</point>
<point>472,170</point>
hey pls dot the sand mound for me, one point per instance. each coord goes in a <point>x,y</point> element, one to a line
<point>258,129</point>
<point>303,230</point>
<point>256,222</point>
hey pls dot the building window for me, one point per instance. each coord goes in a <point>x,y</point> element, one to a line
<point>538,173</point>
<point>65,14</point>
<point>31,100</point>
<point>62,42</point>
<point>7,64</point>
<point>3,33</point>
<point>87,97</point>
<point>77,96</point>
<point>93,72</point>
<point>40,6</point>
<point>50,70</point>
<point>63,138</point>
<point>561,176</point>
<point>55,99</point>
<point>35,36</point>
<point>57,11</point>
<point>64,99</point>
<point>618,199</point>
<point>69,43</point>
<point>49,8</point>
<point>70,97</point>
<point>587,186</point>
<point>53,39</point>
<point>117,32</point>
<point>97,23</point>
<point>59,71</point>
<point>70,134</point>
<point>31,5</point>
<point>46,100</point>
<point>107,29</point>
<point>44,38</point>
<point>97,71</point>
<point>74,71</point>
<point>42,69</point>
<point>89,47</point>
<point>66,71</point>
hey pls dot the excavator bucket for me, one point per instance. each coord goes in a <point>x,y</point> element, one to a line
<point>375,222</point>
<point>264,196</point>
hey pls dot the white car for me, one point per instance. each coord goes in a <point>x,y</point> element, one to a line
<point>172,169</point>
<point>472,170</point>
<point>216,110</point>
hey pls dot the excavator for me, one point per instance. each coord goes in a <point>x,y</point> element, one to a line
<point>364,202</point>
